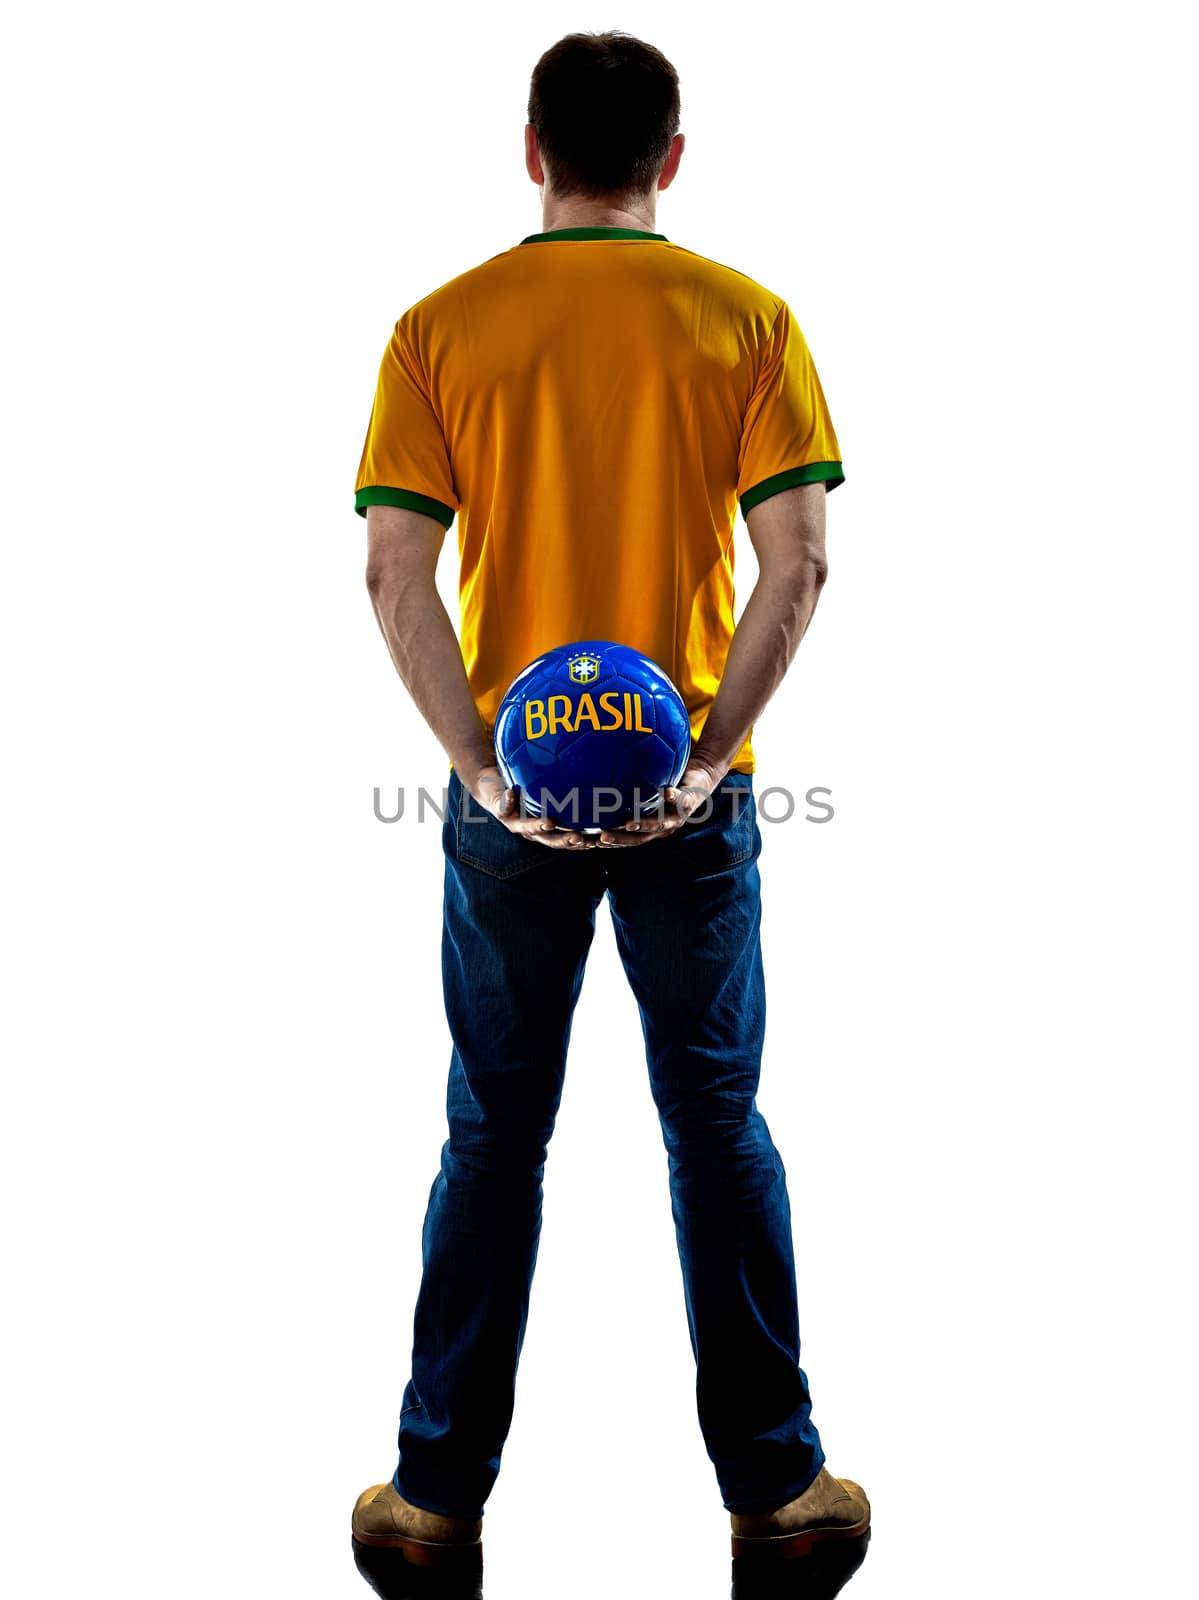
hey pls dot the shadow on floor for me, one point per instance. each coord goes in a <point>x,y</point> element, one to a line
<point>394,1578</point>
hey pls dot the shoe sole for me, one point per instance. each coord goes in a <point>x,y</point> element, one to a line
<point>421,1552</point>
<point>791,1546</point>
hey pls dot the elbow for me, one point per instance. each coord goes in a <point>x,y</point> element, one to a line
<point>385,578</point>
<point>376,575</point>
<point>395,585</point>
<point>804,575</point>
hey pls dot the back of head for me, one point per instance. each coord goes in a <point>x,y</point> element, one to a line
<point>605,107</point>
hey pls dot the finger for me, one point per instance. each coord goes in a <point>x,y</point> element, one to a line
<point>619,834</point>
<point>554,838</point>
<point>660,830</point>
<point>642,826</point>
<point>527,827</point>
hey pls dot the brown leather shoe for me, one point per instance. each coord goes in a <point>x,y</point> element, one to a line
<point>383,1519</point>
<point>828,1509</point>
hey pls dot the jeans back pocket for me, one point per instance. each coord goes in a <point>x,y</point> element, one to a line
<point>481,840</point>
<point>722,832</point>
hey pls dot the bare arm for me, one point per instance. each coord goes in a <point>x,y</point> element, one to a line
<point>401,578</point>
<point>787,533</point>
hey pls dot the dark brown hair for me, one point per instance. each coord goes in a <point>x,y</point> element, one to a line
<point>605,107</point>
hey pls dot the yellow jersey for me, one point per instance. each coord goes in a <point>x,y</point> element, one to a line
<point>593,404</point>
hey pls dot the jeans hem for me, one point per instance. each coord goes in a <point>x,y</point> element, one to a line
<point>423,1505</point>
<point>775,1502</point>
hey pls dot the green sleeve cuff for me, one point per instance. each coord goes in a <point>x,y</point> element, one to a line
<point>406,499</point>
<point>827,472</point>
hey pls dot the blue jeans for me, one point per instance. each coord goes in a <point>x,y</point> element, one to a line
<point>519,921</point>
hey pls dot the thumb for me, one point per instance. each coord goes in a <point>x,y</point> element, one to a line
<point>686,798</point>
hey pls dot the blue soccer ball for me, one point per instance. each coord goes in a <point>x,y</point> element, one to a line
<point>591,732</point>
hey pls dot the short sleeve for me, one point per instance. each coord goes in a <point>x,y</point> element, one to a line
<point>787,434</point>
<point>405,461</point>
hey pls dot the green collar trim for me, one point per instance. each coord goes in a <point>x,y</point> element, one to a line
<point>593,233</point>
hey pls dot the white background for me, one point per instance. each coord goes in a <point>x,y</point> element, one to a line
<point>225,1079</point>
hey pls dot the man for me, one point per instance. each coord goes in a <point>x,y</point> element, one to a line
<point>593,403</point>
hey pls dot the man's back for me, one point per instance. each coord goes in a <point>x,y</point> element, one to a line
<point>593,403</point>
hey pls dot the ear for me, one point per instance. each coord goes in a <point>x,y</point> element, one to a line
<point>673,156</point>
<point>533,156</point>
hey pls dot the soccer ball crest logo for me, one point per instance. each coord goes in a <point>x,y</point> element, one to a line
<point>583,668</point>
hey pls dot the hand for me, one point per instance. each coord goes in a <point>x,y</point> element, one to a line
<point>698,781</point>
<point>489,789</point>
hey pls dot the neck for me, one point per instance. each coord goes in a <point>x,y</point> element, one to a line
<point>573,212</point>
